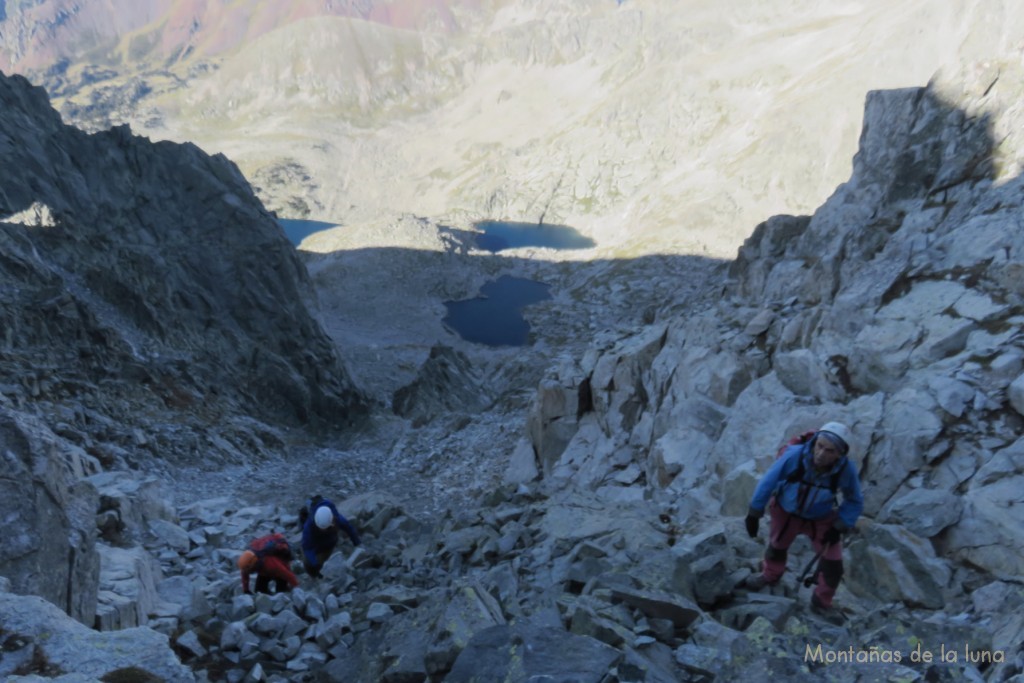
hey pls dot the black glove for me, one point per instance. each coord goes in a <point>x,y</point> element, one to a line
<point>753,521</point>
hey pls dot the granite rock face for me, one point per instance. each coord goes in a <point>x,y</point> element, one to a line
<point>896,308</point>
<point>446,382</point>
<point>147,264</point>
<point>152,315</point>
<point>39,639</point>
<point>49,513</point>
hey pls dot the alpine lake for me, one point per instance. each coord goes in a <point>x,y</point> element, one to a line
<point>495,316</point>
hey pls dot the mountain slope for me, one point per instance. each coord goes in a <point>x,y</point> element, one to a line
<point>895,308</point>
<point>605,116</point>
<point>60,35</point>
<point>159,255</point>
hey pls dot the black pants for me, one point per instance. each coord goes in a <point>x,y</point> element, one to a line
<point>321,557</point>
<point>263,585</point>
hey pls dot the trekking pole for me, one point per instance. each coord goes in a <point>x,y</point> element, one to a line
<point>806,579</point>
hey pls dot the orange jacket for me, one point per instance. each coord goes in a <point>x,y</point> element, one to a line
<point>273,568</point>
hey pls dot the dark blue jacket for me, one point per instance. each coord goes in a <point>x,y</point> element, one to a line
<point>316,540</point>
<point>819,499</point>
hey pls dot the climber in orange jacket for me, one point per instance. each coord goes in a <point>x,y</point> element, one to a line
<point>269,558</point>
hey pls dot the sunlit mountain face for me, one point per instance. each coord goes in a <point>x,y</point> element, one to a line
<point>52,35</point>
<point>650,127</point>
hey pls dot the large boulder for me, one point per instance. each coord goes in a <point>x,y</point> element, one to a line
<point>990,533</point>
<point>39,638</point>
<point>527,651</point>
<point>925,512</point>
<point>49,513</point>
<point>446,382</point>
<point>890,564</point>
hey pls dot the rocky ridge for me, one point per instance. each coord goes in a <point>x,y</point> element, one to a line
<point>123,242</point>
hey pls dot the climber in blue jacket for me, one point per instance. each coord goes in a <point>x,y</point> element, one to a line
<point>800,492</point>
<point>320,534</point>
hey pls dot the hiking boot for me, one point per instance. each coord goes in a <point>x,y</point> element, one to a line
<point>756,582</point>
<point>829,614</point>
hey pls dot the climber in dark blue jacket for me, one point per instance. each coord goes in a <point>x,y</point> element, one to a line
<point>320,535</point>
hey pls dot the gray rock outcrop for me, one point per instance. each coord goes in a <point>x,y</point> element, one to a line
<point>896,308</point>
<point>39,639</point>
<point>163,269</point>
<point>49,512</point>
<point>152,315</point>
<point>445,383</point>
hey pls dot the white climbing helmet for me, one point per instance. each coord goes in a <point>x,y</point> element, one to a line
<point>839,434</point>
<point>323,517</point>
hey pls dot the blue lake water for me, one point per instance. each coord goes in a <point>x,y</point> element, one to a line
<point>495,317</point>
<point>297,229</point>
<point>500,235</point>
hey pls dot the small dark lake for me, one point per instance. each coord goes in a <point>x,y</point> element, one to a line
<point>297,229</point>
<point>495,317</point>
<point>500,235</point>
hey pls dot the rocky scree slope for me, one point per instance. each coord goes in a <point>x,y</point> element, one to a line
<point>152,315</point>
<point>528,581</point>
<point>614,552</point>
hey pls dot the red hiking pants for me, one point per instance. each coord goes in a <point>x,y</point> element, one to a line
<point>784,530</point>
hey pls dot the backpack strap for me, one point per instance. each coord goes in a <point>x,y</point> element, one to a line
<point>834,483</point>
<point>797,476</point>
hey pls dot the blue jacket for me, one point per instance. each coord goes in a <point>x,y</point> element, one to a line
<point>819,499</point>
<point>316,540</point>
